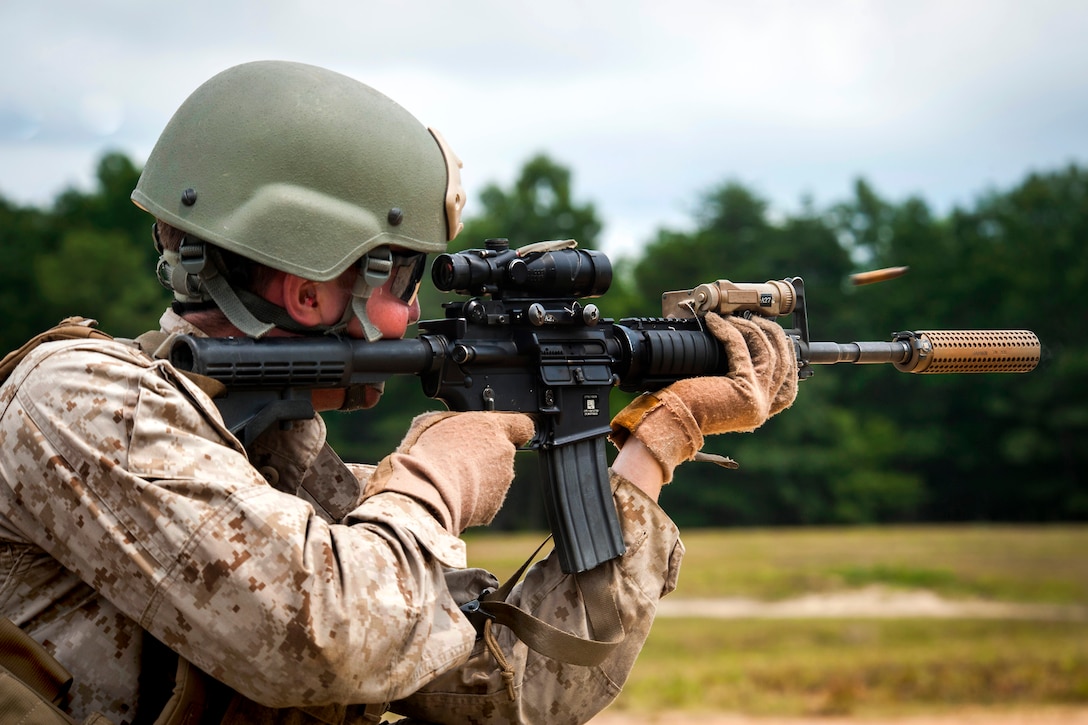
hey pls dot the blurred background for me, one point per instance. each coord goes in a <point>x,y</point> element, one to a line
<point>691,141</point>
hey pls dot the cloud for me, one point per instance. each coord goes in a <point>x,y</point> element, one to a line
<point>649,103</point>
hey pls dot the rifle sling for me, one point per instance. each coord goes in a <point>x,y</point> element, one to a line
<point>601,610</point>
<point>27,660</point>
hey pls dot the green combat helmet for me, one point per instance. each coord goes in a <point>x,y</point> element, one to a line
<point>305,171</point>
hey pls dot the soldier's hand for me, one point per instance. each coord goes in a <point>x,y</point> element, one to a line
<point>460,465</point>
<point>761,382</point>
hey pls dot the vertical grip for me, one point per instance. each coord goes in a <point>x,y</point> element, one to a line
<point>579,504</point>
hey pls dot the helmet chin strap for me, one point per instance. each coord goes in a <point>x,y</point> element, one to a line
<point>374,270</point>
<point>193,273</point>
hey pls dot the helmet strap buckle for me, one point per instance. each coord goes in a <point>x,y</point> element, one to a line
<point>192,255</point>
<point>376,266</point>
<point>193,259</point>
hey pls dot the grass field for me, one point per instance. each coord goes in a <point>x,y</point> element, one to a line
<point>861,666</point>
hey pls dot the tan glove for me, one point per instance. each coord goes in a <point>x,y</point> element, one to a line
<point>761,382</point>
<point>460,465</point>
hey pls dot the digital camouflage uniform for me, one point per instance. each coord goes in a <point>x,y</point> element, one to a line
<point>126,506</point>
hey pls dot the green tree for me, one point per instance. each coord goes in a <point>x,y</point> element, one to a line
<point>987,446</point>
<point>25,234</point>
<point>538,207</point>
<point>89,254</point>
<point>108,207</point>
<point>1019,262</point>
<point>824,460</point>
<point>101,275</point>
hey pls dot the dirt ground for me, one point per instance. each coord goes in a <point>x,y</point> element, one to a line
<point>868,602</point>
<point>1041,716</point>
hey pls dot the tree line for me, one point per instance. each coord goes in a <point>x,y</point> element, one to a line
<point>861,444</point>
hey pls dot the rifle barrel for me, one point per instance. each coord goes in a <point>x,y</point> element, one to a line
<point>860,353</point>
<point>939,351</point>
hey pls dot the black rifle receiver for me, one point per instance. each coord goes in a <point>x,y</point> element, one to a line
<point>525,341</point>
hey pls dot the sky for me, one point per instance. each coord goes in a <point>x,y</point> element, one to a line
<point>650,104</point>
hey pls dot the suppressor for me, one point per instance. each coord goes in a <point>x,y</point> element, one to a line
<point>938,351</point>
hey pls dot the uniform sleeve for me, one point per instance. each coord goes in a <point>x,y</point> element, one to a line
<point>547,691</point>
<point>126,476</point>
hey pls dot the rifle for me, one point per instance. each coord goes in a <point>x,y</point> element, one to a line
<point>526,341</point>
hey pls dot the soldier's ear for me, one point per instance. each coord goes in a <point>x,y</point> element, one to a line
<point>302,298</point>
<point>312,303</point>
